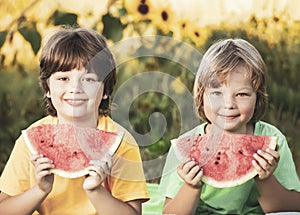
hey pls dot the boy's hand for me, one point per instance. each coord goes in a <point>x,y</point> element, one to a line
<point>98,171</point>
<point>191,173</point>
<point>44,177</point>
<point>265,162</point>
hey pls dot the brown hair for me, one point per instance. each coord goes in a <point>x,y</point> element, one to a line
<point>75,48</point>
<point>221,59</point>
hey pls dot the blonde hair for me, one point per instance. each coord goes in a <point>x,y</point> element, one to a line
<point>220,60</point>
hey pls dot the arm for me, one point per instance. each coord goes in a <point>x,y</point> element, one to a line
<point>29,201</point>
<point>101,199</point>
<point>273,196</point>
<point>100,194</point>
<point>25,203</point>
<point>186,200</point>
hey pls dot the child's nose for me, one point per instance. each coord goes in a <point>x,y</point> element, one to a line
<point>229,102</point>
<point>75,86</point>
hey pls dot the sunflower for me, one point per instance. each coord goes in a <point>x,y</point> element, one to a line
<point>180,28</point>
<point>198,34</point>
<point>162,15</point>
<point>138,9</point>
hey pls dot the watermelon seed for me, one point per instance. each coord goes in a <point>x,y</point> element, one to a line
<point>216,162</point>
<point>240,151</point>
<point>218,158</point>
<point>75,153</point>
<point>219,153</point>
<point>51,145</point>
<point>207,149</point>
<point>42,141</point>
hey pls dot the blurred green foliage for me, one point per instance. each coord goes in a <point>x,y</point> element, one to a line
<point>21,99</point>
<point>21,103</point>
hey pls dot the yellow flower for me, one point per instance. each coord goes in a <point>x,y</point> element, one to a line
<point>191,30</point>
<point>88,11</point>
<point>19,52</point>
<point>41,13</point>
<point>178,86</point>
<point>198,34</point>
<point>162,15</point>
<point>180,29</point>
<point>138,9</point>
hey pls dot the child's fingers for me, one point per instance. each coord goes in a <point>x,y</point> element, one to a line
<point>257,167</point>
<point>35,157</point>
<point>274,153</point>
<point>42,173</point>
<point>194,176</point>
<point>265,162</point>
<point>266,157</point>
<point>271,156</point>
<point>186,167</point>
<point>191,173</point>
<point>42,164</point>
<point>261,161</point>
<point>102,166</point>
<point>197,179</point>
<point>93,170</point>
<point>184,162</point>
<point>39,159</point>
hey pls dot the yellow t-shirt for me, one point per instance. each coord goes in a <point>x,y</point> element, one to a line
<point>126,181</point>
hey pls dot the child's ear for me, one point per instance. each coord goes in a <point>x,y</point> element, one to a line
<point>105,97</point>
<point>48,94</point>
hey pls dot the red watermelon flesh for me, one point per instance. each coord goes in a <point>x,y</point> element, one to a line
<point>71,148</point>
<point>226,159</point>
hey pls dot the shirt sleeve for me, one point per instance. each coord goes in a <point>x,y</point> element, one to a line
<point>170,181</point>
<point>15,178</point>
<point>127,181</point>
<point>286,172</point>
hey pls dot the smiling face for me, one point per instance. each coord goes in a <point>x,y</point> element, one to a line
<point>76,96</point>
<point>230,106</point>
<point>72,48</point>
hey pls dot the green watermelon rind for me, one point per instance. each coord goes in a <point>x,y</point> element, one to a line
<point>222,184</point>
<point>225,184</point>
<point>76,174</point>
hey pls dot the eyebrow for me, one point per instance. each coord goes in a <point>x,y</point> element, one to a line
<point>213,83</point>
<point>246,88</point>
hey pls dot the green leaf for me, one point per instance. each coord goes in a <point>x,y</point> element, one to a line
<point>63,18</point>
<point>113,27</point>
<point>30,33</point>
<point>2,37</point>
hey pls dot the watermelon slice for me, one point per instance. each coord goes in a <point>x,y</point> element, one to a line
<point>69,147</point>
<point>226,159</point>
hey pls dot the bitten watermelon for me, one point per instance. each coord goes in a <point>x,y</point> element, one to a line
<point>226,159</point>
<point>69,147</point>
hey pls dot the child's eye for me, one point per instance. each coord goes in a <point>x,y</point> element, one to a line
<point>242,94</point>
<point>90,78</point>
<point>63,78</point>
<point>216,93</point>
